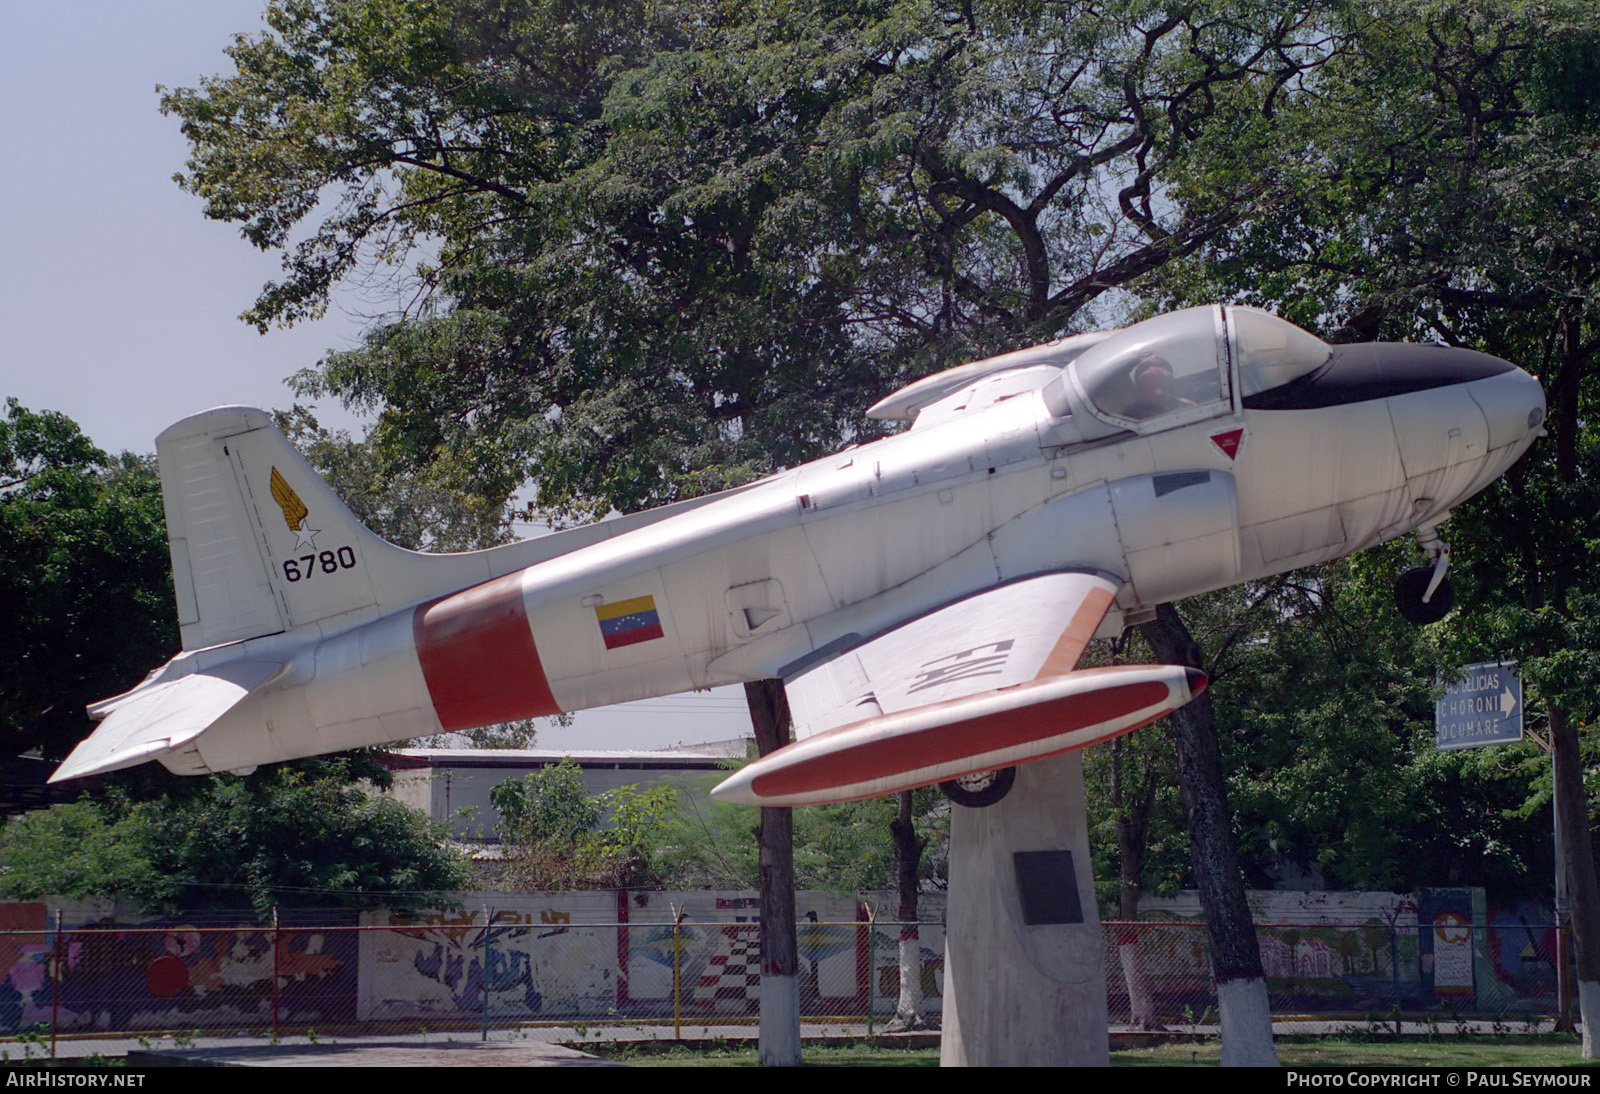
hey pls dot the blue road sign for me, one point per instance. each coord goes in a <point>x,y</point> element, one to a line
<point>1483,707</point>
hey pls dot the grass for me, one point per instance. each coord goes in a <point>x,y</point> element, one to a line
<point>1529,1051</point>
<point>656,1054</point>
<point>1477,1052</point>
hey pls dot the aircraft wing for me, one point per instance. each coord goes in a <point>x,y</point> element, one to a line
<point>984,683</point>
<point>1006,636</point>
<point>158,717</point>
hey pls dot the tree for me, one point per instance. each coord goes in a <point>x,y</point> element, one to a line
<point>548,804</point>
<point>85,582</point>
<point>435,509</point>
<point>1136,836</point>
<point>1245,1017</point>
<point>551,835</point>
<point>1445,181</point>
<point>680,246</point>
<point>305,834</point>
<point>780,952</point>
<point>911,840</point>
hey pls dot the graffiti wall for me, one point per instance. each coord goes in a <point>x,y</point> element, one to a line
<point>25,953</point>
<point>532,954</point>
<point>1441,950</point>
<point>524,956</point>
<point>164,974</point>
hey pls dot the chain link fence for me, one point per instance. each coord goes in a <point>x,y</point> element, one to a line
<point>482,968</point>
<point>1329,976</point>
<point>451,971</point>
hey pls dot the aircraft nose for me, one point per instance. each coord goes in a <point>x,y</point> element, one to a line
<point>1513,405</point>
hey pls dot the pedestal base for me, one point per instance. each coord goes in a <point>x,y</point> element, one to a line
<point>1024,981</point>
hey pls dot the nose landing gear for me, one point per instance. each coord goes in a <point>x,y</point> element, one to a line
<point>1423,594</point>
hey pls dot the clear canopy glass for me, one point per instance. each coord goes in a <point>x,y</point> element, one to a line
<point>1271,351</point>
<point>1178,365</point>
<point>1153,368</point>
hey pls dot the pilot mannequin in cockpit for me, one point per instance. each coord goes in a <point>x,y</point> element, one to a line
<point>1152,382</point>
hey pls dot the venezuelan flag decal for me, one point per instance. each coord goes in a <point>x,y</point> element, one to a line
<point>629,621</point>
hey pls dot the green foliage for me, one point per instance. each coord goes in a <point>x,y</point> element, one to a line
<point>1324,706</point>
<point>1442,183</point>
<point>1136,819</point>
<point>1326,716</point>
<point>638,818</point>
<point>280,836</point>
<point>85,584</point>
<point>678,246</point>
<point>842,848</point>
<point>435,508</point>
<point>80,850</point>
<point>551,836</point>
<point>556,836</point>
<point>548,804</point>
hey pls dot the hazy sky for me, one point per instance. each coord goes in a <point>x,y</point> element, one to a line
<point>119,300</point>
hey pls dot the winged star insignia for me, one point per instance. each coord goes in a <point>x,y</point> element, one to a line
<point>294,511</point>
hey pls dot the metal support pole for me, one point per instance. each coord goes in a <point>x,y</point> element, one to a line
<point>872,964</point>
<point>677,971</point>
<point>55,986</point>
<point>1394,972</point>
<point>277,944</point>
<point>483,971</point>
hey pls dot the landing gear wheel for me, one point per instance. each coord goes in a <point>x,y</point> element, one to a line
<point>1412,586</point>
<point>981,789</point>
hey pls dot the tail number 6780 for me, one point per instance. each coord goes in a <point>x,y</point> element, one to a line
<point>329,562</point>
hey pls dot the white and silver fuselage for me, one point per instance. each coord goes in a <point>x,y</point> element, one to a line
<point>779,575</point>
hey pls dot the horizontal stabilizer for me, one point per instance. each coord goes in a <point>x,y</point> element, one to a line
<point>156,718</point>
<point>982,732</point>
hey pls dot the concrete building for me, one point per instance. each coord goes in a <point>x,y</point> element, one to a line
<point>452,785</point>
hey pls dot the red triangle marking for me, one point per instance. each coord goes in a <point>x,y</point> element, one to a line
<point>1229,442</point>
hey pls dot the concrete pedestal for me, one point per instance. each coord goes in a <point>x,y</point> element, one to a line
<point>1024,981</point>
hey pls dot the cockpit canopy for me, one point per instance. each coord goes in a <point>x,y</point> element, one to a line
<point>1184,366</point>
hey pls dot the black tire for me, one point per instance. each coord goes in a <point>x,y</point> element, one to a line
<point>980,789</point>
<point>1409,590</point>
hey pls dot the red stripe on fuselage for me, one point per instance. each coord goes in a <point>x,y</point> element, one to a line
<point>478,656</point>
<point>903,752</point>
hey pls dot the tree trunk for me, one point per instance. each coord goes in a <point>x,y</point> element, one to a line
<point>908,857</point>
<point>1235,957</point>
<point>780,989</point>
<point>1572,817</point>
<point>1577,863</point>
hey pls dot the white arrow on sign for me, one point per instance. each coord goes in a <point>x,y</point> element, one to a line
<point>1508,703</point>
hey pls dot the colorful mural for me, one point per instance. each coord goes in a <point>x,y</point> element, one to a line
<point>25,954</point>
<point>610,954</point>
<point>1442,950</point>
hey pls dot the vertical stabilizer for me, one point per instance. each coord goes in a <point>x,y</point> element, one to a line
<point>259,542</point>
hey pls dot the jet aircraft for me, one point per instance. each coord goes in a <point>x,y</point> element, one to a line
<point>925,598</point>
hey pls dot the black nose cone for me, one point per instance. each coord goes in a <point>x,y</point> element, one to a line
<point>1378,370</point>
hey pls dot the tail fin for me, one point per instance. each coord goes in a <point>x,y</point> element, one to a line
<point>261,545</point>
